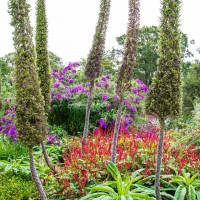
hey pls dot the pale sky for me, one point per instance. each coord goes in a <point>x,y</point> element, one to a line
<point>71,24</point>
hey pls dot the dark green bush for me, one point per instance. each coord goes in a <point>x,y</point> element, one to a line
<point>71,116</point>
<point>15,188</point>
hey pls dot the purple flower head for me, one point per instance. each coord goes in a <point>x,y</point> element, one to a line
<point>59,96</point>
<point>98,84</point>
<point>138,81</point>
<point>55,70</point>
<point>3,119</point>
<point>105,97</point>
<point>133,108</point>
<point>56,85</point>
<point>87,84</point>
<point>134,90</point>
<point>70,81</point>
<point>108,77</point>
<point>126,102</point>
<point>24,85</point>
<point>145,88</point>
<point>115,97</point>
<point>139,90</point>
<point>108,107</point>
<point>102,123</point>
<point>104,79</point>
<point>73,71</point>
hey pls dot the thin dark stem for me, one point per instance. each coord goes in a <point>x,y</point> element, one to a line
<point>87,116</point>
<point>46,157</point>
<point>35,177</point>
<point>116,130</point>
<point>159,159</point>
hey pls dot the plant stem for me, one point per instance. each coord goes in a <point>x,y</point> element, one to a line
<point>46,157</point>
<point>35,177</point>
<point>87,116</point>
<point>159,159</point>
<point>116,130</point>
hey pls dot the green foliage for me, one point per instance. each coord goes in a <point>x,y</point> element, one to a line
<point>147,53</point>
<point>191,87</point>
<point>30,116</point>
<point>188,188</point>
<point>165,91</point>
<point>8,150</point>
<point>117,189</point>
<point>93,67</point>
<point>71,116</point>
<point>13,187</point>
<point>42,61</point>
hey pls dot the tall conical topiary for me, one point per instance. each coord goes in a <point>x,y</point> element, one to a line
<point>164,98</point>
<point>128,62</point>
<point>31,120</point>
<point>42,61</point>
<point>93,66</point>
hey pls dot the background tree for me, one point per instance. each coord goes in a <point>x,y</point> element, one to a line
<point>164,98</point>
<point>125,71</point>
<point>93,67</point>
<point>147,54</point>
<point>30,121</point>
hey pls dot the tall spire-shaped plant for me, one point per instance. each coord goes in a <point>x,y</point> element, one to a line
<point>93,66</point>
<point>164,98</point>
<point>126,69</point>
<point>31,120</point>
<point>42,61</point>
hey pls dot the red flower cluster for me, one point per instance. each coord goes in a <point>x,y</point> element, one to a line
<point>135,150</point>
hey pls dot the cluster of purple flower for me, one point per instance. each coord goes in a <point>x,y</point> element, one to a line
<point>63,83</point>
<point>7,125</point>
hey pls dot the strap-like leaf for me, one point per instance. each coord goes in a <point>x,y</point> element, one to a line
<point>180,193</point>
<point>191,193</point>
<point>92,196</point>
<point>198,195</point>
<point>193,178</point>
<point>142,196</point>
<point>100,188</point>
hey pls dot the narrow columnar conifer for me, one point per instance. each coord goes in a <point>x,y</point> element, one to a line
<point>31,120</point>
<point>93,66</point>
<point>128,62</point>
<point>42,61</point>
<point>164,98</point>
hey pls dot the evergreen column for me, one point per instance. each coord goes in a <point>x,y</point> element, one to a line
<point>128,62</point>
<point>164,98</point>
<point>31,120</point>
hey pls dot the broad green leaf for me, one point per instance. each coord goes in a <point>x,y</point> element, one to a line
<point>164,194</point>
<point>180,193</point>
<point>103,197</point>
<point>191,193</point>
<point>100,188</point>
<point>198,195</point>
<point>142,196</point>
<point>91,196</point>
<point>193,178</point>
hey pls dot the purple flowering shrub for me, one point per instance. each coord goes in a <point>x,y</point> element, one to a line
<point>69,97</point>
<point>7,125</point>
<point>67,87</point>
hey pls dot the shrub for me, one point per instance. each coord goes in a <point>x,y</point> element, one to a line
<point>12,188</point>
